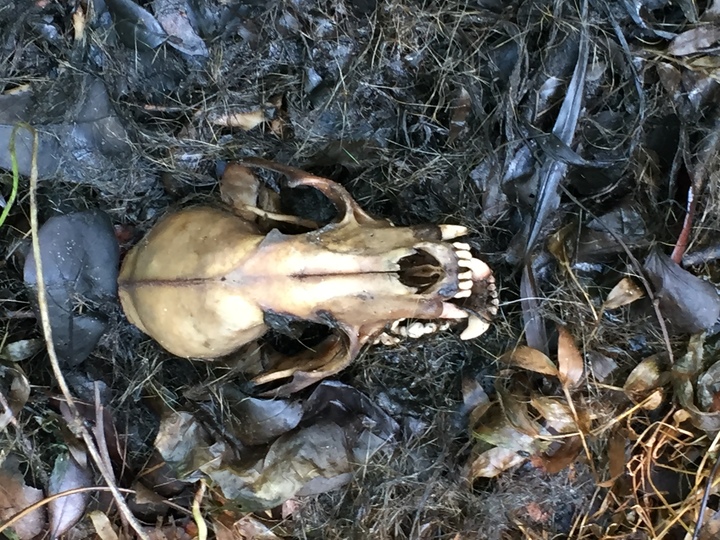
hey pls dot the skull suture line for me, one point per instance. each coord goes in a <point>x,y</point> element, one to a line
<point>206,281</point>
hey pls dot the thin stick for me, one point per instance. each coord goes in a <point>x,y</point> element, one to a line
<point>76,426</point>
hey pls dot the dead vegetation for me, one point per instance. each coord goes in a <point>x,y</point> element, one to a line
<point>576,140</point>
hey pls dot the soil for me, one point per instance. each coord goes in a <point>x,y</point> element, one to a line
<point>427,112</point>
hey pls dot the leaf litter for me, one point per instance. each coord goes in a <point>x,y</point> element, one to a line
<point>576,143</point>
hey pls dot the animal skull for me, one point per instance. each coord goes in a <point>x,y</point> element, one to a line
<point>206,281</point>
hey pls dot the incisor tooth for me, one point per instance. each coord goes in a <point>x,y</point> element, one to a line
<point>465,285</point>
<point>448,232</point>
<point>461,245</point>
<point>463,294</point>
<point>476,327</point>
<point>465,276</point>
<point>463,255</point>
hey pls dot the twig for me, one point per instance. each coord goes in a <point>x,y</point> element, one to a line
<point>77,425</point>
<point>704,501</point>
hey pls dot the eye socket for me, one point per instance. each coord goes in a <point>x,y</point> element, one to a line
<point>307,203</point>
<point>420,270</point>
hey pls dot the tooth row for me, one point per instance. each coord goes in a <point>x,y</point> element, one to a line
<point>480,270</point>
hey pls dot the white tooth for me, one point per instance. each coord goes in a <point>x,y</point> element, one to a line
<point>451,311</point>
<point>463,294</point>
<point>495,301</point>
<point>448,232</point>
<point>461,245</point>
<point>416,330</point>
<point>476,327</point>
<point>493,310</point>
<point>464,255</point>
<point>465,285</point>
<point>465,276</point>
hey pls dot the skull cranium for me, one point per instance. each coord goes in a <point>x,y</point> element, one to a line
<point>204,280</point>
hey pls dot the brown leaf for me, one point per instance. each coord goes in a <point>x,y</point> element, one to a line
<point>516,412</point>
<point>563,457</point>
<point>530,359</point>
<point>624,293</point>
<point>103,527</point>
<point>570,360</point>
<point>616,453</point>
<point>461,109</point>
<point>646,377</point>
<point>492,462</point>
<point>556,412</point>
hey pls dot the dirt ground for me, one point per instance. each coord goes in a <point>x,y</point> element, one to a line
<point>578,142</point>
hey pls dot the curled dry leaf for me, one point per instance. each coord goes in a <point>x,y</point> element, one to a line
<point>556,412</point>
<point>517,414</point>
<point>135,25</point>
<point>625,292</point>
<point>530,359</point>
<point>644,378</point>
<point>177,19</point>
<point>570,361</point>
<point>685,369</point>
<point>493,462</point>
<point>358,275</point>
<point>461,109</point>
<point>16,496</point>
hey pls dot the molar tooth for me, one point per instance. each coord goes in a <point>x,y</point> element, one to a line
<point>463,294</point>
<point>476,327</point>
<point>465,285</point>
<point>462,246</point>
<point>462,254</point>
<point>448,232</point>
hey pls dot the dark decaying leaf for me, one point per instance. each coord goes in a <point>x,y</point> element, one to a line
<point>708,389</point>
<point>600,366</point>
<point>135,26</point>
<point>80,258</point>
<point>684,371</point>
<point>260,421</point>
<point>687,302</point>
<point>695,40</point>
<point>177,18</point>
<point>16,496</point>
<point>79,134</point>
<point>300,447</point>
<point>17,351</point>
<point>66,511</point>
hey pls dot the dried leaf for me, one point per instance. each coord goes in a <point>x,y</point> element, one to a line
<point>556,412</point>
<point>646,377</point>
<point>530,359</point>
<point>260,421</point>
<point>135,25</point>
<point>177,19</point>
<point>683,371</point>
<point>570,360</point>
<point>16,496</point>
<point>695,40</point>
<point>244,120</point>
<point>15,387</point>
<point>103,527</point>
<point>65,511</point>
<point>601,366</point>
<point>563,457</point>
<point>181,441</point>
<point>516,412</point>
<point>461,109</point>
<point>493,462</point>
<point>687,302</point>
<point>624,293</point>
<point>80,258</point>
<point>708,389</point>
<point>616,453</point>
<point>21,350</point>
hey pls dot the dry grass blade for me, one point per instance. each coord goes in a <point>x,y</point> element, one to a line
<point>78,427</point>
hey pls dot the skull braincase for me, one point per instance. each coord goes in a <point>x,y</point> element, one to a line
<point>202,281</point>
